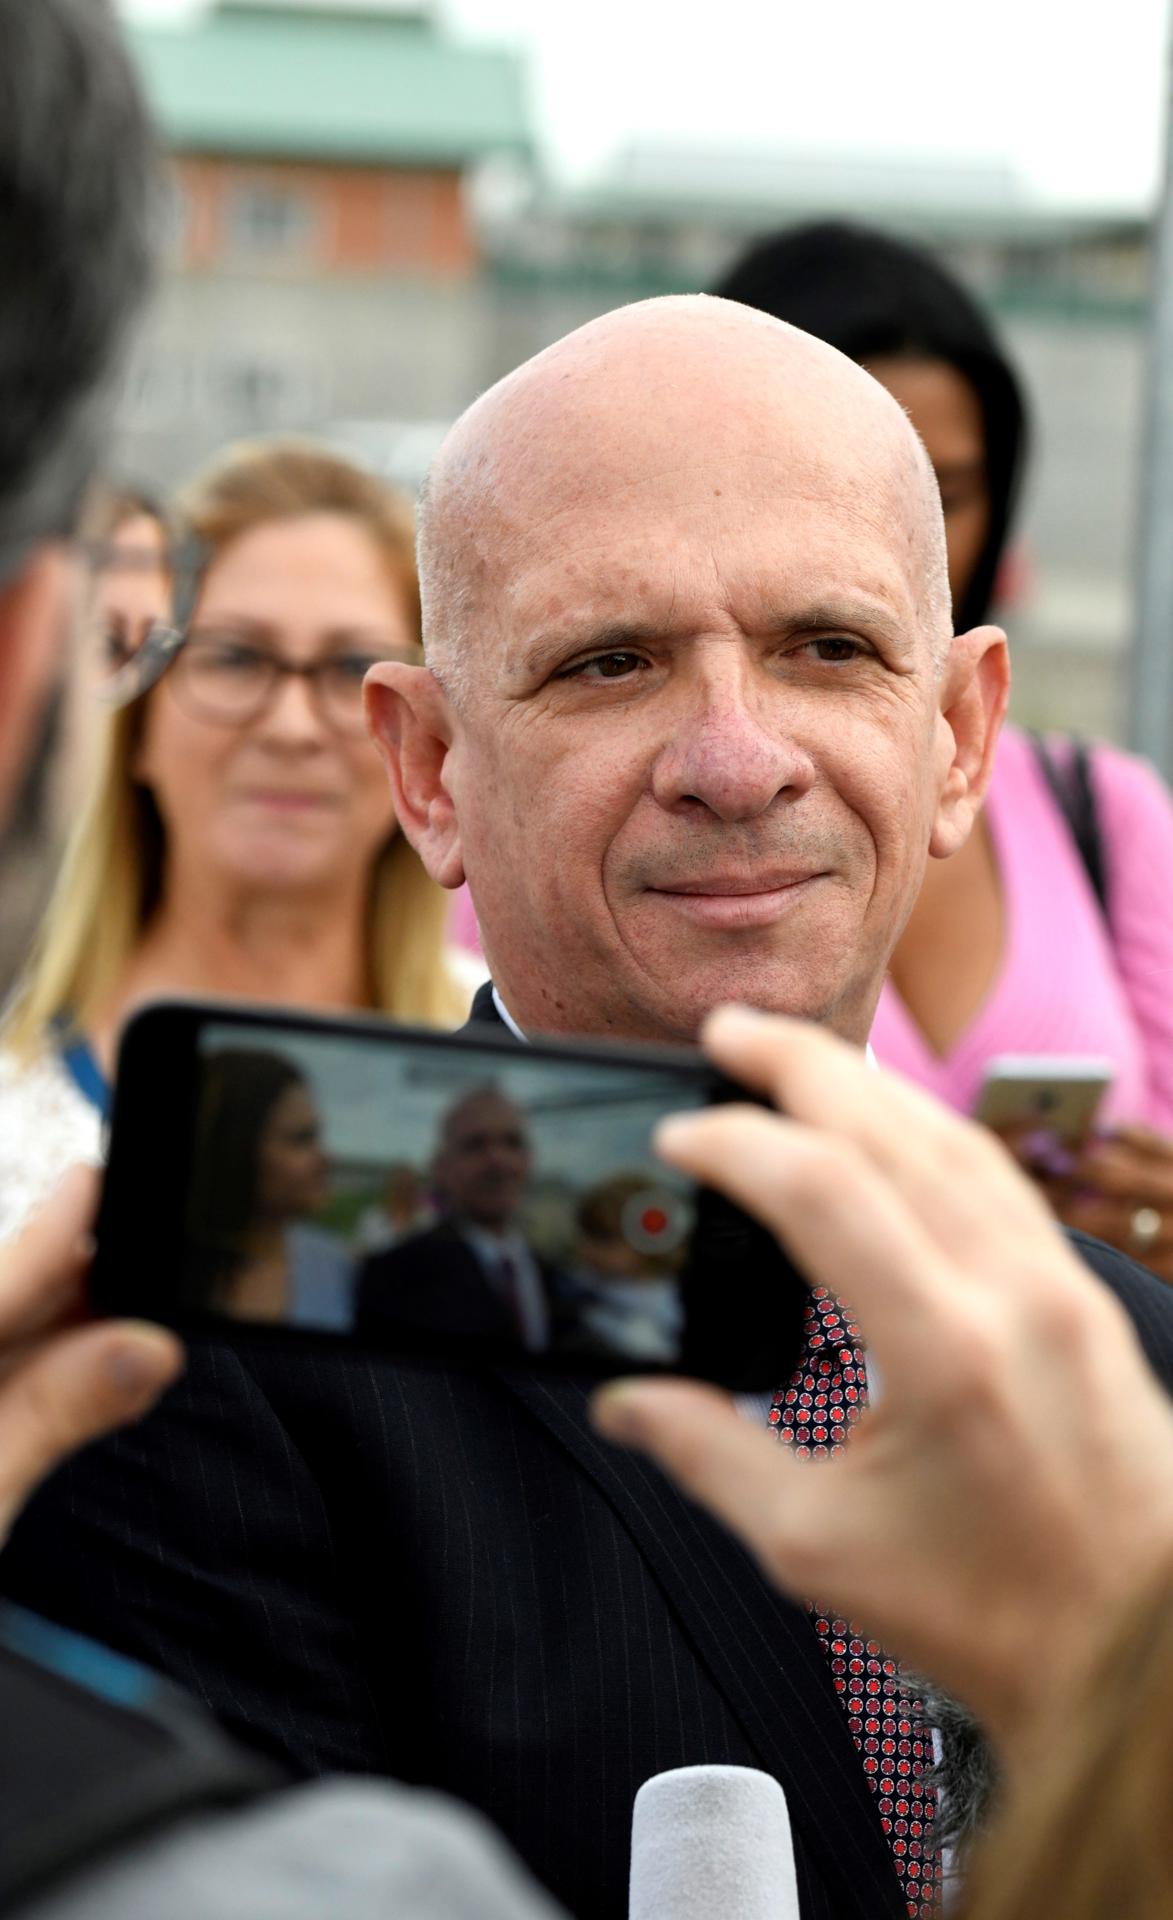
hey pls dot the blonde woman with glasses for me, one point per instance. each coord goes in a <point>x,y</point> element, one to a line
<point>238,837</point>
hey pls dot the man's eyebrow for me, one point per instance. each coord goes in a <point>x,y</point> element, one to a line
<point>830,615</point>
<point>556,643</point>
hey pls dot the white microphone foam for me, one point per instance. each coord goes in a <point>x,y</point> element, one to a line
<point>712,1843</point>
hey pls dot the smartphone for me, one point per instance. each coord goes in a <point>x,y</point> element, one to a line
<point>1047,1094</point>
<point>446,1198</point>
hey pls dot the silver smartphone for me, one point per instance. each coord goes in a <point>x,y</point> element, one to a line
<point>1055,1094</point>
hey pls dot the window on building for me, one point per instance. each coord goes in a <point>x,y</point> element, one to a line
<point>268,221</point>
<point>255,392</point>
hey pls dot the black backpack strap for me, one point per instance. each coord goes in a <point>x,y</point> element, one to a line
<point>1072,789</point>
<point>96,1751</point>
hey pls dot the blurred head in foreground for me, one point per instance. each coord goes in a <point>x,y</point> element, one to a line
<point>78,180</point>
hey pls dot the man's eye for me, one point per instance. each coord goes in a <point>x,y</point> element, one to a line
<point>604,666</point>
<point>834,649</point>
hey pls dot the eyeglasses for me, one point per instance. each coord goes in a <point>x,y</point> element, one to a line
<point>229,681</point>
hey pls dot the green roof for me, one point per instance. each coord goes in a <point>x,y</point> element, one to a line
<point>369,89</point>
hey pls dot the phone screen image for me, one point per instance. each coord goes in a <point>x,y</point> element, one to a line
<point>439,1197</point>
<point>424,1197</point>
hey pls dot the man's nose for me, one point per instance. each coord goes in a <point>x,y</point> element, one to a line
<point>732,747</point>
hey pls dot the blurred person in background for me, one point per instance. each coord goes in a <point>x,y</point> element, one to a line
<point>128,542</point>
<point>238,836</point>
<point>1008,949</point>
<point>125,590</point>
<point>260,1177</point>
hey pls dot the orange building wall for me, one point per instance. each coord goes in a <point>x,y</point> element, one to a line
<point>365,219</point>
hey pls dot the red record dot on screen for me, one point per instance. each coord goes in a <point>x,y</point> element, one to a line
<point>655,1221</point>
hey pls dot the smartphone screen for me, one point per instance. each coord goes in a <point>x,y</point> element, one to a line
<point>434,1196</point>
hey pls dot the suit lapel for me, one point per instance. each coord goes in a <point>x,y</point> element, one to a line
<point>483,1011</point>
<point>758,1647</point>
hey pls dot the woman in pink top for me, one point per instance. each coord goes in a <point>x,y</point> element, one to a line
<point>1008,949</point>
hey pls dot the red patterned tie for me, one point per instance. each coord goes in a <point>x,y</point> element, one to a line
<point>813,1414</point>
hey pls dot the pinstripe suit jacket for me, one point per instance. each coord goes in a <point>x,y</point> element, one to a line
<point>447,1578</point>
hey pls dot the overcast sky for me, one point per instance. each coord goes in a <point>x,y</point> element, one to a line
<point>1071,97</point>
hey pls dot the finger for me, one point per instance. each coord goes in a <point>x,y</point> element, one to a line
<point>737,1470</point>
<point>954,1172</point>
<point>75,1387</point>
<point>42,1272</point>
<point>1126,1173</point>
<point>1155,1146</point>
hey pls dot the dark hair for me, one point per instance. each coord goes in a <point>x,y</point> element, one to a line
<point>78,192</point>
<point>239,1087</point>
<point>872,297</point>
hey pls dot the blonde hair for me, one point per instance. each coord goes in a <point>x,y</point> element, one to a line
<point>111,878</point>
<point>1089,1833</point>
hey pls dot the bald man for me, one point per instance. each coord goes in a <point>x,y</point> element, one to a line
<point>691,724</point>
<point>693,718</point>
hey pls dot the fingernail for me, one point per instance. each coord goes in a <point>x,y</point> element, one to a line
<point>737,1010</point>
<point>144,1361</point>
<point>674,1130</point>
<point>614,1413</point>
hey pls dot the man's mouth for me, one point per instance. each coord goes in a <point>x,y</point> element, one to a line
<point>726,900</point>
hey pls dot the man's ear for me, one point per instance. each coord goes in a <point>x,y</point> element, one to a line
<point>975,689</point>
<point>35,608</point>
<point>411,723</point>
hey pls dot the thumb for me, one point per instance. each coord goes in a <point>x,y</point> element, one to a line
<point>70,1390</point>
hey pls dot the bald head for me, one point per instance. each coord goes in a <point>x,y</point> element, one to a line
<point>685,381</point>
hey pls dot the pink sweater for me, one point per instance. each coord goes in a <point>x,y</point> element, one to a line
<point>1065,985</point>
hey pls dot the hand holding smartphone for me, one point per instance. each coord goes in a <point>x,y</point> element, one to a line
<point>443,1198</point>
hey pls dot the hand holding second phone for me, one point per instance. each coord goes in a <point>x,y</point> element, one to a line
<point>995,1505</point>
<point>1120,1189</point>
